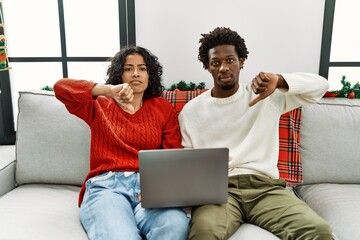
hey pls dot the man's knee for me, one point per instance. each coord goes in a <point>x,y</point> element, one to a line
<point>206,234</point>
<point>204,228</point>
<point>319,230</point>
<point>322,231</point>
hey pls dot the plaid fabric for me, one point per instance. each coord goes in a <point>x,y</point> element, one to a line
<point>3,57</point>
<point>179,98</point>
<point>3,63</point>
<point>289,163</point>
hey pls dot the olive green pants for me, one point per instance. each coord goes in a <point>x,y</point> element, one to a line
<point>261,201</point>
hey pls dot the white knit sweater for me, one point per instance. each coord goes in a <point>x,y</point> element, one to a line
<point>250,133</point>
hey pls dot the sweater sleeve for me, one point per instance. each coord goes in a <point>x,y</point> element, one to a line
<point>186,139</point>
<point>304,89</point>
<point>77,97</point>
<point>171,131</point>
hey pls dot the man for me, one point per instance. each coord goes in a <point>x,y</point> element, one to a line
<point>245,118</point>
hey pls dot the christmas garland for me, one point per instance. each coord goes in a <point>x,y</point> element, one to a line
<point>347,90</point>
<point>183,86</point>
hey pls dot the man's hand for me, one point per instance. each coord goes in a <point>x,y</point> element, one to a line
<point>264,84</point>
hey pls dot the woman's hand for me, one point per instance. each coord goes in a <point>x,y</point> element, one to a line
<point>123,95</point>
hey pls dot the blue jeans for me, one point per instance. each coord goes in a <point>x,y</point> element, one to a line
<point>111,209</point>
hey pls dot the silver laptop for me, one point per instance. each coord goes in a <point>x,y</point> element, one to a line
<point>183,177</point>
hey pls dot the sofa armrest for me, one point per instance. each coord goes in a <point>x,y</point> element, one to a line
<point>7,168</point>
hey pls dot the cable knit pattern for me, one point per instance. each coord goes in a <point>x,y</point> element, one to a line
<point>116,135</point>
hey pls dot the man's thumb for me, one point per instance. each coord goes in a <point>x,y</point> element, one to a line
<point>255,100</point>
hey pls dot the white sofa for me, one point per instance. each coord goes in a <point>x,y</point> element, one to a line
<point>330,134</point>
<point>41,178</point>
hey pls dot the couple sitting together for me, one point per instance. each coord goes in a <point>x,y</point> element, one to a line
<point>127,114</point>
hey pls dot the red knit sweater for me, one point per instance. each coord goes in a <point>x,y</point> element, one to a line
<point>117,136</point>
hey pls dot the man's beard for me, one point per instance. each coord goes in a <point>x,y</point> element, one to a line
<point>227,87</point>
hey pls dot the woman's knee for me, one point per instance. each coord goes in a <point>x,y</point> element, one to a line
<point>168,224</point>
<point>177,221</point>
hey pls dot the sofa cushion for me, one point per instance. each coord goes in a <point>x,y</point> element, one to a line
<point>330,132</point>
<point>250,232</point>
<point>41,212</point>
<point>338,204</point>
<point>44,211</point>
<point>7,168</point>
<point>289,163</point>
<point>52,145</point>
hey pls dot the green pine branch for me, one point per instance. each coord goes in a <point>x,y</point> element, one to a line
<point>183,86</point>
<point>47,88</point>
<point>347,88</point>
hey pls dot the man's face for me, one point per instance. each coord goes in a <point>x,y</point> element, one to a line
<point>224,66</point>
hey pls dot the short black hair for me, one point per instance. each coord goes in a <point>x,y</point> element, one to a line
<point>154,69</point>
<point>220,36</point>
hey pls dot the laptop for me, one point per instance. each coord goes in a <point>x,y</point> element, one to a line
<point>183,177</point>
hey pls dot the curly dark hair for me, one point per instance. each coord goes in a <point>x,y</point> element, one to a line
<point>220,36</point>
<point>154,69</point>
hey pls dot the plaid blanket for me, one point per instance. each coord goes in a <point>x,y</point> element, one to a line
<point>289,163</point>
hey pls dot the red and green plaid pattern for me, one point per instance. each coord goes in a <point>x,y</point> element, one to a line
<point>289,163</point>
<point>179,98</point>
<point>289,135</point>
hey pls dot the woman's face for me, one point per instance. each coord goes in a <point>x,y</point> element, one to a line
<point>135,73</point>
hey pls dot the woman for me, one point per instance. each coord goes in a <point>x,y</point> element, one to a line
<point>125,115</point>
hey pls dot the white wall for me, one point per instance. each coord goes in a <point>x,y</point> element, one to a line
<point>281,35</point>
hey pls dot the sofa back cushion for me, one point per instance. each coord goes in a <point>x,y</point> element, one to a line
<point>289,163</point>
<point>330,134</point>
<point>52,145</point>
